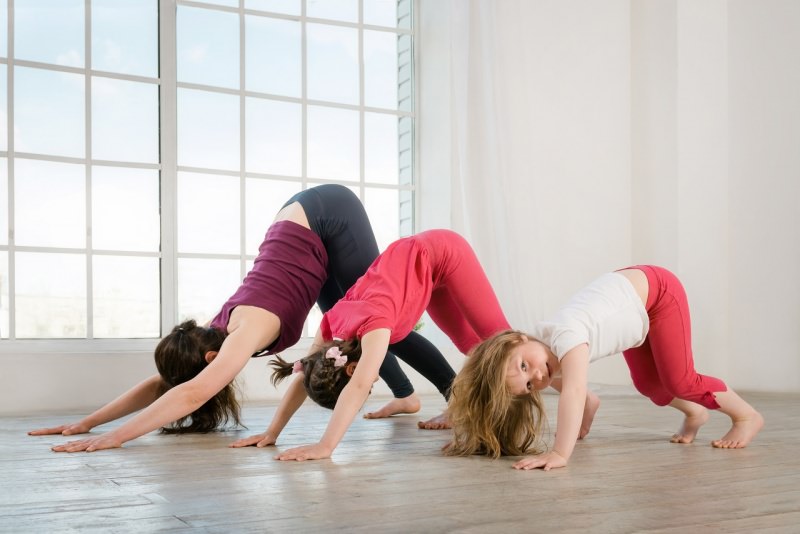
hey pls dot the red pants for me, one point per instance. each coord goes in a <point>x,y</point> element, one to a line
<point>463,304</point>
<point>662,368</point>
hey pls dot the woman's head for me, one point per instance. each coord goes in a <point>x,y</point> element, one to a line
<point>180,356</point>
<point>325,372</point>
<point>487,417</point>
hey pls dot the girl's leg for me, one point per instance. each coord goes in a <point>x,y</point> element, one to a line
<point>647,382</point>
<point>670,342</point>
<point>464,304</point>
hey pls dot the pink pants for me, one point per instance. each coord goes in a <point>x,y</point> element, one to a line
<point>463,304</point>
<point>662,368</point>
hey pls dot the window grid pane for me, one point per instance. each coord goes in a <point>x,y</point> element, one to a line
<point>252,129</point>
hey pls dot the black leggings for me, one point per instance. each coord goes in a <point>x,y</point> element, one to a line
<point>337,216</point>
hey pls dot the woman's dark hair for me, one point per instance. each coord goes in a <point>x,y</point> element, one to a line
<point>180,356</point>
<point>323,381</point>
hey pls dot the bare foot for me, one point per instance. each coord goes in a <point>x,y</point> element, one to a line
<point>440,422</point>
<point>691,424</point>
<point>741,433</point>
<point>589,409</point>
<point>408,404</point>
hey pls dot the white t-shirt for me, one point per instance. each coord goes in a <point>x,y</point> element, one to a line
<point>607,314</point>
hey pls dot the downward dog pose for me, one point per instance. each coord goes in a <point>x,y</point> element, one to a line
<point>318,245</point>
<point>435,271</point>
<point>642,312</point>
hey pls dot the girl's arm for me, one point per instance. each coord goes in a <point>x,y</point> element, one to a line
<point>139,396</point>
<point>290,402</point>
<point>589,409</point>
<point>374,345</point>
<point>574,376</point>
<point>184,398</point>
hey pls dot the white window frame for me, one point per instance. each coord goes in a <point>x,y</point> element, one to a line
<point>168,85</point>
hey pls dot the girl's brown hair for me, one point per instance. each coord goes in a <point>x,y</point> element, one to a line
<point>486,417</point>
<point>323,382</point>
<point>180,356</point>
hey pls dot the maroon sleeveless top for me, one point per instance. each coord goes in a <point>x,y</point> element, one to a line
<point>286,279</point>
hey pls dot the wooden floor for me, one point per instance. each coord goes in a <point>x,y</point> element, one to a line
<point>388,476</point>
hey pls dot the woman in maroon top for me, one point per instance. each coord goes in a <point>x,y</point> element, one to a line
<point>318,245</point>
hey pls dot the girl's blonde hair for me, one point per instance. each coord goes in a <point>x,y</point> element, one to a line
<point>486,417</point>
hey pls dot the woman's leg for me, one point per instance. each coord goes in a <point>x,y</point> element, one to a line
<point>339,218</point>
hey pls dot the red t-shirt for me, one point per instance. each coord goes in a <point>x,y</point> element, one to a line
<point>394,291</point>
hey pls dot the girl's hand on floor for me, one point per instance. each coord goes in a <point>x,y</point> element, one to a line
<point>547,461</point>
<point>103,441</point>
<point>64,430</point>
<point>264,439</point>
<point>306,452</point>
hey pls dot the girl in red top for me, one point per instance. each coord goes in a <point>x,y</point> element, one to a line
<point>434,271</point>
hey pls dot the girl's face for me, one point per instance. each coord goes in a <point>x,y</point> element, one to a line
<point>530,367</point>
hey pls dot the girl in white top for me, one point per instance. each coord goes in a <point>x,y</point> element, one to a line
<point>642,312</point>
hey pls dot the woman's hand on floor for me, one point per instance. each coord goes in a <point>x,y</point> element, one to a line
<point>97,443</point>
<point>65,430</point>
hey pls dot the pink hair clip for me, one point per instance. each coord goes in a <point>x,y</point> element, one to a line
<point>297,367</point>
<point>335,354</point>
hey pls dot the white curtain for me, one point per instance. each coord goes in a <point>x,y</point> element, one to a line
<point>539,111</point>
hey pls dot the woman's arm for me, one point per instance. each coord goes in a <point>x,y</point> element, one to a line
<point>291,401</point>
<point>374,345</point>
<point>184,398</point>
<point>574,376</point>
<point>139,396</point>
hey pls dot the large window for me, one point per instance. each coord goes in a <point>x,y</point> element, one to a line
<point>140,181</point>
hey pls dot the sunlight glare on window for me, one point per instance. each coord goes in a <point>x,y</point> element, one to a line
<point>273,137</point>
<point>344,10</point>
<point>208,213</point>
<point>4,311</point>
<point>208,130</point>
<point>125,36</point>
<point>203,285</point>
<point>4,201</point>
<point>264,198</point>
<point>49,112</point>
<point>380,12</point>
<point>272,56</point>
<point>49,31</point>
<point>380,69</point>
<point>381,148</point>
<point>332,63</point>
<point>50,292</point>
<point>125,209</point>
<point>50,204</point>
<point>289,7</point>
<point>3,107</point>
<point>333,145</point>
<point>208,47</point>
<point>124,121</point>
<point>125,297</point>
<point>382,207</point>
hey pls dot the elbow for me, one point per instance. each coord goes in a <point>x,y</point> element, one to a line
<point>194,395</point>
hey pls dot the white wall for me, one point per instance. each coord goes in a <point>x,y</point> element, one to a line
<point>713,175</point>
